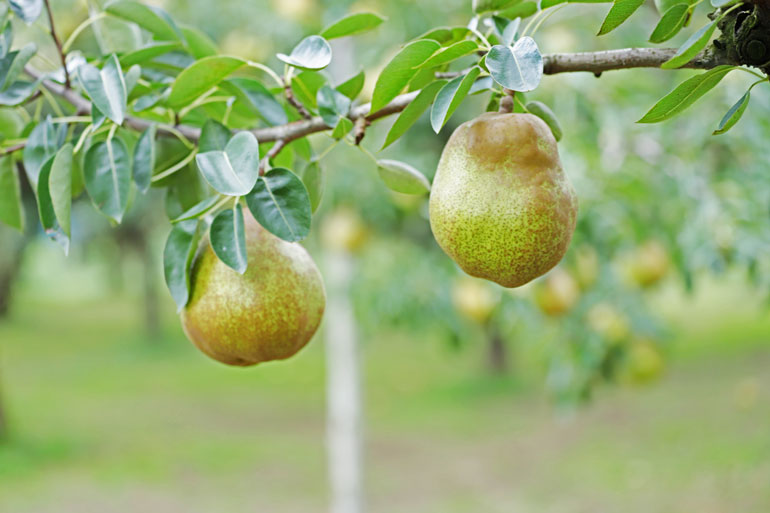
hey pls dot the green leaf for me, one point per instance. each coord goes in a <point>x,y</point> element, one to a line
<point>685,94</point>
<point>413,111</point>
<point>107,173</point>
<point>106,88</point>
<point>545,113</point>
<point>152,19</point>
<point>281,204</point>
<point>620,11</point>
<point>312,176</point>
<point>734,114</point>
<point>177,259</point>
<point>60,186</point>
<point>6,37</point>
<point>670,23</point>
<point>402,177</point>
<point>481,6</point>
<point>214,136</point>
<point>450,53</point>
<point>332,105</point>
<point>352,87</point>
<point>13,64</point>
<point>447,35</point>
<point>352,24</point>
<point>201,76</point>
<point>42,143</point>
<point>481,85</point>
<point>344,125</point>
<point>234,170</point>
<point>450,97</point>
<point>228,238</point>
<point>520,10</point>
<point>694,44</point>
<point>260,98</point>
<point>199,44</point>
<point>400,70</point>
<point>723,3</point>
<point>17,93</point>
<point>144,158</point>
<point>11,208</point>
<point>312,53</point>
<point>306,86</point>
<point>27,10</point>
<point>147,53</point>
<point>131,78</point>
<point>506,29</point>
<point>46,210</point>
<point>197,210</point>
<point>518,68</point>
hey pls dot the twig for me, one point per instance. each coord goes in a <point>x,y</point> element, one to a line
<point>506,102</point>
<point>294,102</point>
<point>56,41</point>
<point>593,62</point>
<point>360,129</point>
<point>11,149</point>
<point>271,154</point>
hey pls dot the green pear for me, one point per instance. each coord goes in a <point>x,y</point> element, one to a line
<point>501,205</point>
<point>268,313</point>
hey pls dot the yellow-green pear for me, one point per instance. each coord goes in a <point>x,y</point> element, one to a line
<point>501,206</point>
<point>268,313</point>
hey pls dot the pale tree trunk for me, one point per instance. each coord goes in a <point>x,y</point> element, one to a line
<point>343,392</point>
<point>497,351</point>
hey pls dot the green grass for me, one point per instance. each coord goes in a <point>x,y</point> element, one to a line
<point>104,420</point>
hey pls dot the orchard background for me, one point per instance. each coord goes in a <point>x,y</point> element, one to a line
<point>633,377</point>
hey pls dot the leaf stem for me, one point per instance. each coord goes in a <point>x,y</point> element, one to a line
<point>176,167</point>
<point>80,28</point>
<point>62,55</point>
<point>82,138</point>
<point>270,72</point>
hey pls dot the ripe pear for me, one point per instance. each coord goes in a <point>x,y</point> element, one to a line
<point>558,293</point>
<point>648,264</point>
<point>501,205</point>
<point>268,313</point>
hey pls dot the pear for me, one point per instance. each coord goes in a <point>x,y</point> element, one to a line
<point>268,313</point>
<point>501,205</point>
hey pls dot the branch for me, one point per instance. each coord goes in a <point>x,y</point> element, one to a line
<point>56,41</point>
<point>593,62</point>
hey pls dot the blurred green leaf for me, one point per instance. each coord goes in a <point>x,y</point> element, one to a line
<point>305,87</point>
<point>11,208</point>
<point>312,53</point>
<point>144,158</point>
<point>260,98</point>
<point>413,111</point>
<point>228,238</point>
<point>734,114</point>
<point>106,88</point>
<point>42,144</point>
<point>450,53</point>
<point>312,176</point>
<point>447,35</point>
<point>60,186</point>
<point>332,105</point>
<point>482,6</point>
<point>17,93</point>
<point>401,177</point>
<point>153,19</point>
<point>400,70</point>
<point>234,170</point>
<point>544,112</point>
<point>46,209</point>
<point>341,129</point>
<point>694,44</point>
<point>198,43</point>
<point>147,53</point>
<point>450,97</point>
<point>685,94</point>
<point>201,76</point>
<point>352,87</point>
<point>178,255</point>
<point>620,11</point>
<point>281,204</point>
<point>13,64</point>
<point>107,173</point>
<point>352,24</point>
<point>670,23</point>
<point>214,136</point>
<point>27,10</point>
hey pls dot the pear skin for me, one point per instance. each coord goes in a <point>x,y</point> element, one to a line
<point>268,313</point>
<point>501,206</point>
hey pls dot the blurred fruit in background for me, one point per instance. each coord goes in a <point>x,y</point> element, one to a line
<point>647,264</point>
<point>475,299</point>
<point>586,266</point>
<point>644,361</point>
<point>343,230</point>
<point>612,324</point>
<point>557,293</point>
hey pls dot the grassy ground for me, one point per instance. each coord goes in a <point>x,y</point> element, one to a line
<point>106,421</point>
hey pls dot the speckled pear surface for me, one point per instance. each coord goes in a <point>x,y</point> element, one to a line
<point>501,205</point>
<point>268,313</point>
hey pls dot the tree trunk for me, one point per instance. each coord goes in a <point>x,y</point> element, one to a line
<point>497,351</point>
<point>344,433</point>
<point>8,276</point>
<point>151,318</point>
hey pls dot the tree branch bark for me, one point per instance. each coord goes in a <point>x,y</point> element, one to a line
<point>593,62</point>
